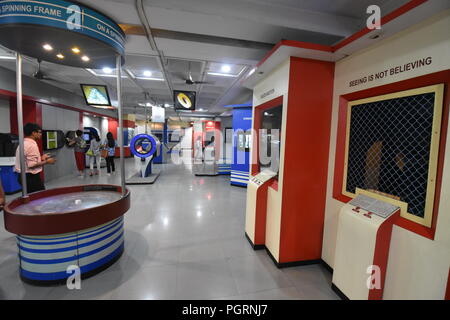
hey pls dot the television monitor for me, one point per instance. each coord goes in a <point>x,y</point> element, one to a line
<point>270,138</point>
<point>184,100</point>
<point>96,95</point>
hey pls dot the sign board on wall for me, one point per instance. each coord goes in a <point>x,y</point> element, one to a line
<point>392,71</point>
<point>158,114</point>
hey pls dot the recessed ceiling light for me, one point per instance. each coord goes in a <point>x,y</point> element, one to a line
<point>60,56</point>
<point>47,47</point>
<point>107,70</point>
<point>85,58</point>
<point>76,50</point>
<point>147,73</point>
<point>226,68</point>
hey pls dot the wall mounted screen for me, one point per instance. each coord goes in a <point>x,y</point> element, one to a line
<point>392,148</point>
<point>96,95</point>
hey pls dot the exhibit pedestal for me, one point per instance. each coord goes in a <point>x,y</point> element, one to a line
<point>255,218</point>
<point>362,251</point>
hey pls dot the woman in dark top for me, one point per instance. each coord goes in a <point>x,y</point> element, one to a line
<point>110,146</point>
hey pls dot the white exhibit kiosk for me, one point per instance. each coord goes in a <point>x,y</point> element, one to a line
<point>362,246</point>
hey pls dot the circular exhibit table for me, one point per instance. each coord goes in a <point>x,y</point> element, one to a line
<point>74,226</point>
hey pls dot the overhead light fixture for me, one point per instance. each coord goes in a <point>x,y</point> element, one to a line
<point>107,70</point>
<point>47,47</point>
<point>7,58</point>
<point>226,68</point>
<point>147,73</point>
<point>149,78</point>
<point>85,58</point>
<point>76,50</point>
<point>227,74</point>
<point>60,56</point>
<point>124,76</point>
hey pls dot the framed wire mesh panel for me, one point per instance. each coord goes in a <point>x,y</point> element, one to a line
<point>392,147</point>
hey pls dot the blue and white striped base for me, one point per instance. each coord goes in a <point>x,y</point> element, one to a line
<point>46,258</point>
<point>224,168</point>
<point>239,178</point>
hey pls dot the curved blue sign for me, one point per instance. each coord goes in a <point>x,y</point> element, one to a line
<point>140,141</point>
<point>64,15</point>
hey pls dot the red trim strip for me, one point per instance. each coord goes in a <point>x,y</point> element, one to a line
<point>295,44</point>
<point>391,16</point>
<point>447,291</point>
<point>261,213</point>
<point>381,253</point>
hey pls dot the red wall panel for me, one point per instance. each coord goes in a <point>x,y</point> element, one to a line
<point>306,159</point>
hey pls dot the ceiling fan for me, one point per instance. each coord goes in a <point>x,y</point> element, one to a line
<point>188,80</point>
<point>39,75</point>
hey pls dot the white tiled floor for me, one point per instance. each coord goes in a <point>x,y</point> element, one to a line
<point>184,239</point>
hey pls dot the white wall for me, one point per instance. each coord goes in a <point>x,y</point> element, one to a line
<point>65,120</point>
<point>226,151</point>
<point>91,121</point>
<point>418,267</point>
<point>5,126</point>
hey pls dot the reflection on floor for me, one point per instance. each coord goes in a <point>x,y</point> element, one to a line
<point>184,239</point>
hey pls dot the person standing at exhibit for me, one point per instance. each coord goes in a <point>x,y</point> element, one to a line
<point>94,155</point>
<point>110,146</point>
<point>34,162</point>
<point>79,146</point>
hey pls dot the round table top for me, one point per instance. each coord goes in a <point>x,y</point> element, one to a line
<point>65,210</point>
<point>69,202</point>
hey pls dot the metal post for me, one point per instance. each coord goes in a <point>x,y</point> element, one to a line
<point>20,124</point>
<point>119,107</point>
<point>146,119</point>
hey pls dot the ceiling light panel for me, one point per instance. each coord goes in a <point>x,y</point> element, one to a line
<point>225,69</point>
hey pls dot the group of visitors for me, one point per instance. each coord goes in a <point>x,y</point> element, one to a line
<point>34,161</point>
<point>97,149</point>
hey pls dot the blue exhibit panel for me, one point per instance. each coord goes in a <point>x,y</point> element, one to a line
<point>9,180</point>
<point>242,122</point>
